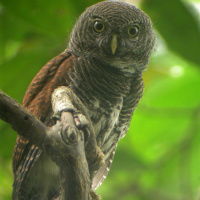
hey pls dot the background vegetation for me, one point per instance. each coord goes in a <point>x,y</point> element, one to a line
<point>159,159</point>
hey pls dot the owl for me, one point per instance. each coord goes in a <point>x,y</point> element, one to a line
<point>108,50</point>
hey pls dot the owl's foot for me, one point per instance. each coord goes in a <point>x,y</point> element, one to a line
<point>82,123</point>
<point>93,153</point>
<point>67,101</point>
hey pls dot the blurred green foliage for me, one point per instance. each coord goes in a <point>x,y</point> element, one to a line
<point>160,156</point>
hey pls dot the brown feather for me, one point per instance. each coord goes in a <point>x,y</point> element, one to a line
<point>38,94</point>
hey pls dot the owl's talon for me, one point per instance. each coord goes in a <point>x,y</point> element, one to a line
<point>80,120</point>
<point>82,123</point>
<point>77,122</point>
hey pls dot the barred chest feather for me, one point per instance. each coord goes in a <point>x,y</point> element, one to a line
<point>103,122</point>
<point>102,90</point>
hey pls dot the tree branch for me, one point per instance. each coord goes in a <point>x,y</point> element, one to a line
<point>63,142</point>
<point>21,120</point>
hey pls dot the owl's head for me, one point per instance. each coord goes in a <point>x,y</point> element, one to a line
<point>116,33</point>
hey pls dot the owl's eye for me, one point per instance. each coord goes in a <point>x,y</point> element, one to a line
<point>98,26</point>
<point>133,31</point>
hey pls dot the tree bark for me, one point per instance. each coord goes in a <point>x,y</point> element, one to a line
<point>63,142</point>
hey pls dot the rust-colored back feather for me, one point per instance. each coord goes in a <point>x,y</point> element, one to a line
<point>38,101</point>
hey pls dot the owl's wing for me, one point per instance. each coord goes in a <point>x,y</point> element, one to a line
<point>103,171</point>
<point>38,101</point>
<point>130,102</point>
<point>44,76</point>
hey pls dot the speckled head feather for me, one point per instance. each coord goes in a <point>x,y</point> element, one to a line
<point>132,53</point>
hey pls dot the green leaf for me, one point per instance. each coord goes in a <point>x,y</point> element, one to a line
<point>178,24</point>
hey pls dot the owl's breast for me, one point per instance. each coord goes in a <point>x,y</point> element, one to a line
<point>104,119</point>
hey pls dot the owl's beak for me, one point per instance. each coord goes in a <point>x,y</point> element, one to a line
<point>114,44</point>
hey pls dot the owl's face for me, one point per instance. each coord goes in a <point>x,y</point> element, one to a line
<point>116,33</point>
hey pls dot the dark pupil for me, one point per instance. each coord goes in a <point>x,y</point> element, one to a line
<point>99,26</point>
<point>132,31</point>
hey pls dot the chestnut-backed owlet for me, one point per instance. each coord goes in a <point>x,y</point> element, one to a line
<point>108,50</point>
